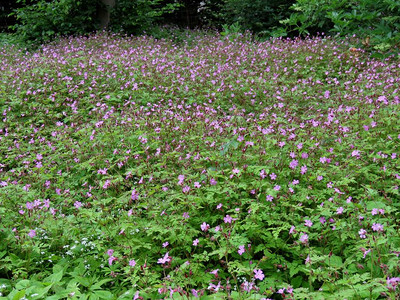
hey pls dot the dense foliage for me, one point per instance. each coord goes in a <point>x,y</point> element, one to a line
<point>134,168</point>
<point>41,20</point>
<point>377,21</point>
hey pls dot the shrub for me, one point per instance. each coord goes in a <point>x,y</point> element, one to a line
<point>378,21</point>
<point>41,21</point>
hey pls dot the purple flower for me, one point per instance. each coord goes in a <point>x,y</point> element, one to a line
<point>228,219</point>
<point>377,227</point>
<point>165,259</point>
<point>32,233</point>
<point>134,195</point>
<point>258,274</point>
<point>195,293</point>
<point>362,233</point>
<point>111,259</point>
<point>293,164</point>
<point>355,153</point>
<point>303,170</point>
<point>392,283</point>
<point>132,263</point>
<point>339,211</point>
<point>308,223</point>
<point>195,242</point>
<point>215,272</point>
<point>303,238</point>
<point>241,250</point>
<point>204,226</point>
<point>181,178</point>
<point>106,184</point>
<point>269,198</point>
<point>213,181</point>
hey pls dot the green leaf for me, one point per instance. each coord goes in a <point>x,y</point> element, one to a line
<point>104,294</point>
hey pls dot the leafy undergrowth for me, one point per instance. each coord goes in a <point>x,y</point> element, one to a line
<point>223,169</point>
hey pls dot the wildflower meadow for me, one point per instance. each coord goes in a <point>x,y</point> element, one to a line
<point>213,168</point>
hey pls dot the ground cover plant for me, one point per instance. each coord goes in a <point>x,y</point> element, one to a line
<point>224,169</point>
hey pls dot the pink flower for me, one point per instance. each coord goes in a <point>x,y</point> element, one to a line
<point>228,219</point>
<point>102,171</point>
<point>303,170</point>
<point>78,204</point>
<point>181,178</point>
<point>165,244</point>
<point>165,259</point>
<point>215,272</point>
<point>136,296</point>
<point>392,283</point>
<point>308,223</point>
<point>377,227</point>
<point>308,260</point>
<point>195,242</point>
<point>195,293</point>
<point>293,164</point>
<point>132,263</point>
<point>134,195</point>
<point>106,184</point>
<point>269,198</point>
<point>110,252</point>
<point>241,250</point>
<point>292,230</point>
<point>355,153</point>
<point>213,181</point>
<point>204,227</point>
<point>365,251</point>
<point>339,211</point>
<point>197,185</point>
<point>362,233</point>
<point>111,259</point>
<point>272,176</point>
<point>303,238</point>
<point>258,274</point>
<point>32,233</point>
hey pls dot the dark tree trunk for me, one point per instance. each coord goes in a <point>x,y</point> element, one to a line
<point>104,13</point>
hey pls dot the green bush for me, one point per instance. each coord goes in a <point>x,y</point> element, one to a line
<point>41,21</point>
<point>377,21</point>
<point>258,16</point>
<point>135,17</point>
